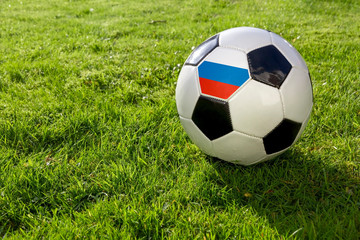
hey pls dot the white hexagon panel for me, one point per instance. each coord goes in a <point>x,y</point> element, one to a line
<point>256,109</point>
<point>244,38</point>
<point>227,148</point>
<point>297,86</point>
<point>303,125</point>
<point>187,91</point>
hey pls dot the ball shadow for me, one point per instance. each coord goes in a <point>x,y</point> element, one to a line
<point>296,192</point>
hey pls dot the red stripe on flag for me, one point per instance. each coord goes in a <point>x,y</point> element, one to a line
<point>217,89</point>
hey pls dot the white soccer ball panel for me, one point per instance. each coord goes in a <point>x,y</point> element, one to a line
<point>197,136</point>
<point>303,126</point>
<point>187,91</point>
<point>256,109</point>
<point>239,148</point>
<point>227,56</point>
<point>244,38</point>
<point>296,92</point>
<point>292,55</point>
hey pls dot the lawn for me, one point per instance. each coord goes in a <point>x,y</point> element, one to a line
<point>91,145</point>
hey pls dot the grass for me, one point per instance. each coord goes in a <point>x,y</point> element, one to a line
<point>91,145</point>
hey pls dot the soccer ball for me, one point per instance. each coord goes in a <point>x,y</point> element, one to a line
<point>244,95</point>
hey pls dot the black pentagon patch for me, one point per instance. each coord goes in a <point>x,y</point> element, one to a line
<point>202,50</point>
<point>268,65</point>
<point>212,116</point>
<point>282,136</point>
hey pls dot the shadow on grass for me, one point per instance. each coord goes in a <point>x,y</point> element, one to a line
<point>298,193</point>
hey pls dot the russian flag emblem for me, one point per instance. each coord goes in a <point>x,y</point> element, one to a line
<point>221,80</point>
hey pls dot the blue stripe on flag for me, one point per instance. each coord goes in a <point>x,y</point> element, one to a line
<point>223,73</point>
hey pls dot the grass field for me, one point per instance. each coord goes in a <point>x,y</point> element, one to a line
<point>90,141</point>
